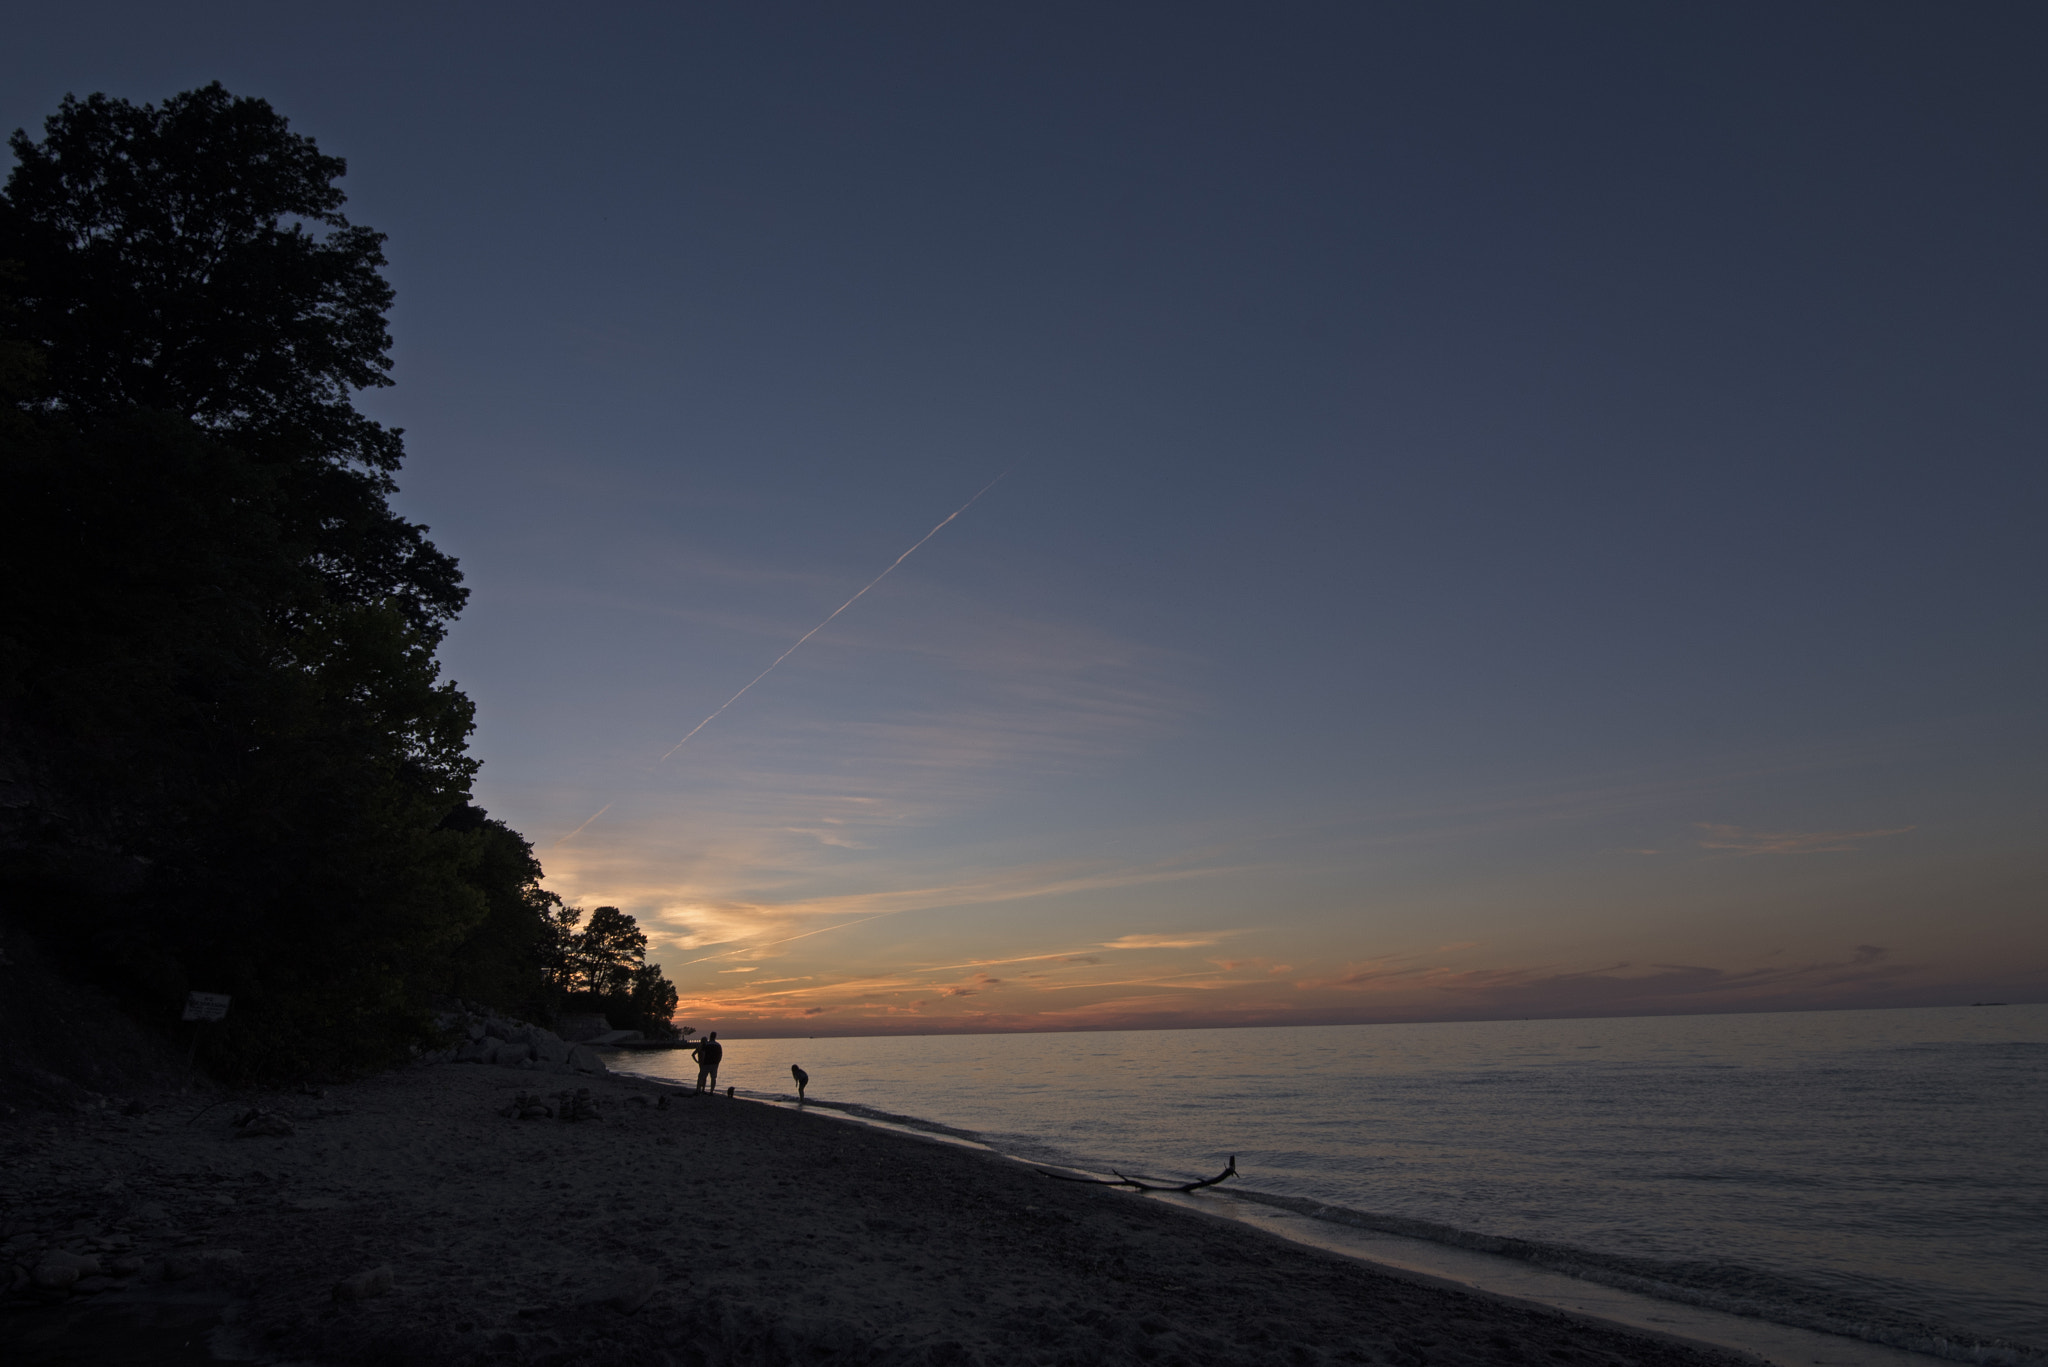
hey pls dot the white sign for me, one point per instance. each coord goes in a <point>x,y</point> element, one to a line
<point>205,1006</point>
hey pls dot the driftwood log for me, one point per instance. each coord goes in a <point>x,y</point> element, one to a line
<point>1135,1185</point>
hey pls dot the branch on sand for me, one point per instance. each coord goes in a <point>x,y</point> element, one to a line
<point>1135,1185</point>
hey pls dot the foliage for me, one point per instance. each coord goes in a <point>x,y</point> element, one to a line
<point>604,968</point>
<point>228,758</point>
<point>193,259</point>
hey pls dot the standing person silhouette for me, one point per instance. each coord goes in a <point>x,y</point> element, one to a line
<point>803,1080</point>
<point>707,1053</point>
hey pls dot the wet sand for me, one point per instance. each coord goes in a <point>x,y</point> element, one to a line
<point>708,1232</point>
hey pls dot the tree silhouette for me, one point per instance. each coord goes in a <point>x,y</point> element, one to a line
<point>192,259</point>
<point>234,766</point>
<point>610,947</point>
<point>603,968</point>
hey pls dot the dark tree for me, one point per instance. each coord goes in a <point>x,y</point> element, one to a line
<point>650,1002</point>
<point>516,956</point>
<point>192,259</point>
<point>607,951</point>
<point>230,761</point>
<point>604,969</point>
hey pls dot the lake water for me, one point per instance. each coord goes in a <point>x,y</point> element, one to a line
<point>1881,1173</point>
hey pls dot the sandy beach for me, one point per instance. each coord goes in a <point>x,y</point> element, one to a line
<point>406,1220</point>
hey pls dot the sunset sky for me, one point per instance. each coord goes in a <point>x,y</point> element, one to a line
<point>1504,509</point>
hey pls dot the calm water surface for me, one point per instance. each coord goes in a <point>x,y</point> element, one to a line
<point>1838,1161</point>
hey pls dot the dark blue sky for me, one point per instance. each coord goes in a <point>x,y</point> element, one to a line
<point>1497,491</point>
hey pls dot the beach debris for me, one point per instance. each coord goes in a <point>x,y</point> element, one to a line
<point>364,1285</point>
<point>580,1105</point>
<point>526,1106</point>
<point>1136,1185</point>
<point>259,1122</point>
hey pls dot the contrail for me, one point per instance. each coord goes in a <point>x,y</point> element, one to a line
<point>828,621</point>
<point>579,830</point>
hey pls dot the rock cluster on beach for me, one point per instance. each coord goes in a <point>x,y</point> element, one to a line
<point>505,1043</point>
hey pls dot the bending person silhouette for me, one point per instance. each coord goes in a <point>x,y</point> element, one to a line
<point>707,1053</point>
<point>803,1080</point>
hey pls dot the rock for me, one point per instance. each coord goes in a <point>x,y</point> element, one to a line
<point>364,1285</point>
<point>526,1107</point>
<point>92,1286</point>
<point>495,1028</point>
<point>136,1108</point>
<point>125,1267</point>
<point>478,1050</point>
<point>150,1213</point>
<point>551,1050</point>
<point>584,1061</point>
<point>54,1276</point>
<point>261,1124</point>
<point>579,1106</point>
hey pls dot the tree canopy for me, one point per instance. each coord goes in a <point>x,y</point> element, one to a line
<point>230,761</point>
<point>604,967</point>
<point>192,259</point>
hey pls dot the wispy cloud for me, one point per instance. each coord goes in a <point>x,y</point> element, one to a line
<point>1612,987</point>
<point>980,982</point>
<point>693,912</point>
<point>1740,840</point>
<point>1180,941</point>
<point>1393,988</point>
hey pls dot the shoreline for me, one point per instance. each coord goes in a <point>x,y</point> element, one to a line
<point>404,1219</point>
<point>1693,1322</point>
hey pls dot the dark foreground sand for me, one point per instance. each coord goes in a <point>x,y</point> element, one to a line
<point>709,1232</point>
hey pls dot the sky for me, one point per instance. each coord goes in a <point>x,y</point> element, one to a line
<point>1499,510</point>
